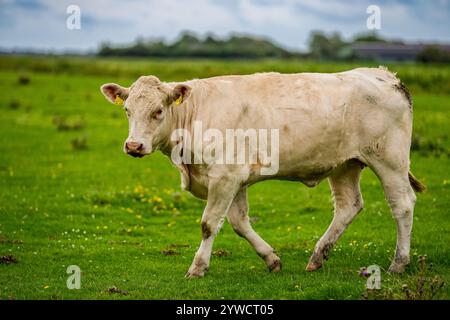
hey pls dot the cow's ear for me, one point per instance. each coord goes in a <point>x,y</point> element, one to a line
<point>180,93</point>
<point>114,93</point>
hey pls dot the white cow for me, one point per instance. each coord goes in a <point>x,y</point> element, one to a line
<point>330,126</point>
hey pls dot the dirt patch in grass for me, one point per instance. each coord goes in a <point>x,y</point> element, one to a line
<point>175,245</point>
<point>23,80</point>
<point>170,252</point>
<point>115,290</point>
<point>221,253</point>
<point>62,124</point>
<point>8,259</point>
<point>79,143</point>
<point>14,104</point>
<point>4,240</point>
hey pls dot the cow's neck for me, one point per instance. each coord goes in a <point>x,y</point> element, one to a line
<point>182,118</point>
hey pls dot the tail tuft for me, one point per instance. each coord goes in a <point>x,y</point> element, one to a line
<point>415,183</point>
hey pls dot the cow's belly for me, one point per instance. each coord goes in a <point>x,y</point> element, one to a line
<point>310,174</point>
<point>309,161</point>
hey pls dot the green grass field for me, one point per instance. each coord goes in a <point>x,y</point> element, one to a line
<point>70,196</point>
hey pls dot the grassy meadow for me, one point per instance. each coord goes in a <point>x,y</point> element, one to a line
<point>70,196</point>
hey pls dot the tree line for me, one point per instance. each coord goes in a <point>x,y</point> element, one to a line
<point>321,46</point>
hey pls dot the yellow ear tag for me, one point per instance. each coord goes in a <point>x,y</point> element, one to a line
<point>118,101</point>
<point>179,100</point>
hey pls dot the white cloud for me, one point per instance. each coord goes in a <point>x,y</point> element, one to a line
<point>288,22</point>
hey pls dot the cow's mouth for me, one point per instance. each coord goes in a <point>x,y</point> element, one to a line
<point>136,154</point>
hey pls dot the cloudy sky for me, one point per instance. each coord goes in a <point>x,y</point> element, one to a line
<point>41,24</point>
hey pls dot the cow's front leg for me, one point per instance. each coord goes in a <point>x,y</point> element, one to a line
<point>221,193</point>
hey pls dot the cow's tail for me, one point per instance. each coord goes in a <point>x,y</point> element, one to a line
<point>415,183</point>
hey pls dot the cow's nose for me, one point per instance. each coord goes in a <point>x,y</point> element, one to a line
<point>133,147</point>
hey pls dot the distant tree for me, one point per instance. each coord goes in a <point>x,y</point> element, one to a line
<point>433,54</point>
<point>325,46</point>
<point>190,45</point>
<point>372,36</point>
<point>105,49</point>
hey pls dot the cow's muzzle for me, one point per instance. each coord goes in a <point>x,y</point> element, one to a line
<point>134,149</point>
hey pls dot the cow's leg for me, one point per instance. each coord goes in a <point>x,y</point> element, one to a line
<point>239,220</point>
<point>221,193</point>
<point>348,203</point>
<point>390,162</point>
<point>401,198</point>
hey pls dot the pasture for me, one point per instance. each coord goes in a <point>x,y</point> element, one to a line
<point>70,196</point>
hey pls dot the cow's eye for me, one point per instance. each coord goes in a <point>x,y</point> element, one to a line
<point>157,114</point>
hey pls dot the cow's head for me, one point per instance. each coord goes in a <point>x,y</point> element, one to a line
<point>148,104</point>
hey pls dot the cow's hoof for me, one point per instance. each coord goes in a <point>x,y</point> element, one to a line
<point>273,262</point>
<point>397,268</point>
<point>197,269</point>
<point>275,266</point>
<point>313,266</point>
<point>190,275</point>
<point>194,275</point>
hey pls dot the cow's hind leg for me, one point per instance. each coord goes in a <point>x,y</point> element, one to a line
<point>401,198</point>
<point>348,202</point>
<point>390,162</point>
<point>238,217</point>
